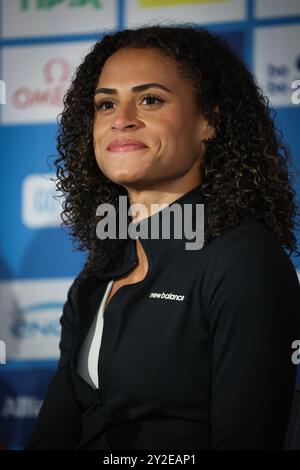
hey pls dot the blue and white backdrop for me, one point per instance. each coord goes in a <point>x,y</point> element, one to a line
<point>41,43</point>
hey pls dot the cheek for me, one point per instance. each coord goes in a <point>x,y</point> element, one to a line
<point>172,121</point>
<point>177,131</point>
<point>97,136</point>
<point>95,132</point>
<point>165,131</point>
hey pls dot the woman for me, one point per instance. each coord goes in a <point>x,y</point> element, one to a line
<point>196,346</point>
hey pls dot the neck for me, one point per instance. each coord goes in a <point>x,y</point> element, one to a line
<point>151,200</point>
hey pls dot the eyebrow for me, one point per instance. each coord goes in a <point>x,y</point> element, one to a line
<point>145,86</point>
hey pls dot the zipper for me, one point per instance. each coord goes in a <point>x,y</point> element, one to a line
<point>104,348</point>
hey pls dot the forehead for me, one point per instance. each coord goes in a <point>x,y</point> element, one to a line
<point>140,64</point>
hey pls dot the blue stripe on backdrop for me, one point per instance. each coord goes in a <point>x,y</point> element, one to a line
<point>28,252</point>
<point>288,119</point>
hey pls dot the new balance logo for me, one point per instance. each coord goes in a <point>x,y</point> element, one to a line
<point>162,295</point>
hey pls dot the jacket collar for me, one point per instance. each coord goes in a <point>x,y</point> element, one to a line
<point>155,247</point>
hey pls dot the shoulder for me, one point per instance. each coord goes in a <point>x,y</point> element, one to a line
<point>248,262</point>
<point>70,307</point>
<point>81,285</point>
<point>249,245</point>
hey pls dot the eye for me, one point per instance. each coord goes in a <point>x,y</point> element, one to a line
<point>152,97</point>
<point>100,105</point>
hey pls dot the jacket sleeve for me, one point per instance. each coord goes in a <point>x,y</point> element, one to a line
<point>253,313</point>
<point>58,422</point>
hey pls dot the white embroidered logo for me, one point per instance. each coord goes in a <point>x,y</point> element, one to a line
<point>162,295</point>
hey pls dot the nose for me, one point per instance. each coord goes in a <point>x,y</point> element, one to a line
<point>125,117</point>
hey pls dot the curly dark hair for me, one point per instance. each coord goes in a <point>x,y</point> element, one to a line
<point>245,174</point>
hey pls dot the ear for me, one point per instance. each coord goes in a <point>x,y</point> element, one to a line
<point>208,130</point>
<point>209,133</point>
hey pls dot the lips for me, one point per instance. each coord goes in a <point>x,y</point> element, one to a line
<point>125,145</point>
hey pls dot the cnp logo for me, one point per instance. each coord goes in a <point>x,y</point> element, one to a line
<point>38,319</point>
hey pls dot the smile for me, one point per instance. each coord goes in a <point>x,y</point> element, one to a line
<point>127,148</point>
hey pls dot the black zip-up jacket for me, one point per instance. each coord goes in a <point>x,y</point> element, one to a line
<point>209,370</point>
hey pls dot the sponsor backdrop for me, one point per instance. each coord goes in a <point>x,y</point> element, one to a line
<point>41,43</point>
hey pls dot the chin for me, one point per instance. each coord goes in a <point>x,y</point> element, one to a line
<point>125,178</point>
